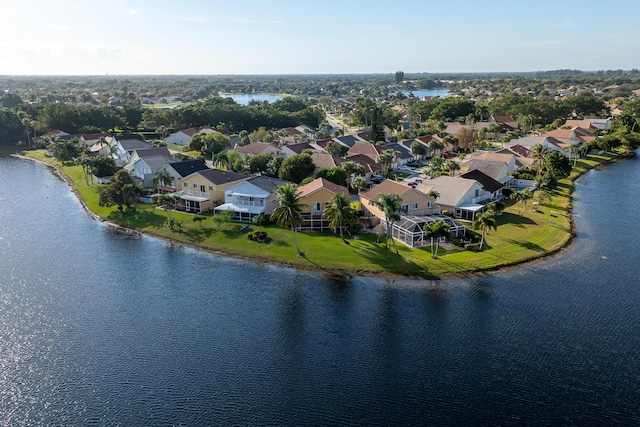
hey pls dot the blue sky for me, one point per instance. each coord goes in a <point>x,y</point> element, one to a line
<point>79,37</point>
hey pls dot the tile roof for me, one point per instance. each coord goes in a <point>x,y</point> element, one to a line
<point>319,183</point>
<point>488,183</point>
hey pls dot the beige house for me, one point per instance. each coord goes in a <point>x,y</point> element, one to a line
<point>203,190</point>
<point>414,202</point>
<point>314,197</point>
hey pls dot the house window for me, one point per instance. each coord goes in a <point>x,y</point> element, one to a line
<point>317,207</point>
<point>477,192</point>
<point>210,188</point>
<point>202,188</point>
<point>195,185</point>
<point>185,185</point>
<point>429,204</point>
<point>405,208</point>
<point>414,206</point>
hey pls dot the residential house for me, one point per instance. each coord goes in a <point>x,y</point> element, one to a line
<point>203,190</point>
<point>490,185</point>
<point>414,201</point>
<point>125,144</point>
<point>370,166</point>
<point>293,135</point>
<point>257,148</point>
<point>576,135</point>
<point>251,197</point>
<point>183,137</point>
<point>403,154</point>
<point>462,197</point>
<point>505,120</point>
<point>314,197</point>
<point>293,149</point>
<point>366,149</point>
<point>348,140</point>
<point>145,164</point>
<point>90,139</point>
<point>179,170</point>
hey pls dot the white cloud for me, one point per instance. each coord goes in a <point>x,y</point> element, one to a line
<point>132,12</point>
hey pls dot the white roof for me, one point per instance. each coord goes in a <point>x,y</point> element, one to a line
<point>235,208</point>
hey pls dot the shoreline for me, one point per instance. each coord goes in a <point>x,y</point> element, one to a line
<point>338,274</point>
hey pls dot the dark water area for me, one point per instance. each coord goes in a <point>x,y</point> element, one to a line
<point>97,328</point>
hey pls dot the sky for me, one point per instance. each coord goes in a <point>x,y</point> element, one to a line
<point>211,37</point>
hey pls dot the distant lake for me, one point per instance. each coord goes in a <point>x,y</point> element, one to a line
<point>245,98</point>
<point>431,92</point>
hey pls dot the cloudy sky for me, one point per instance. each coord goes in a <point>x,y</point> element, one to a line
<point>77,37</point>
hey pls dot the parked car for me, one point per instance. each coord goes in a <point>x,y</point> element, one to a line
<point>405,168</point>
<point>413,164</point>
<point>377,179</point>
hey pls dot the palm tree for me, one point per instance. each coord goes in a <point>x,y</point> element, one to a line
<point>436,165</point>
<point>359,183</point>
<point>453,166</point>
<point>220,160</point>
<point>352,168</point>
<point>434,194</point>
<point>574,151</point>
<point>385,160</point>
<point>539,154</point>
<point>482,110</point>
<point>340,214</point>
<point>435,230</point>
<point>289,210</point>
<point>522,197</point>
<point>391,205</point>
<point>496,207</point>
<point>162,178</point>
<point>485,221</point>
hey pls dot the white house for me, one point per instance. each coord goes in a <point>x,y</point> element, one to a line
<point>252,197</point>
<point>183,137</point>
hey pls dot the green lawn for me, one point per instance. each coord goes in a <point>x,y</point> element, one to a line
<point>517,239</point>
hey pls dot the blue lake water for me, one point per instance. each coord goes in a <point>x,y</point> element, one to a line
<point>97,328</point>
<point>430,92</point>
<point>245,98</point>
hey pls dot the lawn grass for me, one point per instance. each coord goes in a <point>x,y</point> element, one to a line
<point>519,238</point>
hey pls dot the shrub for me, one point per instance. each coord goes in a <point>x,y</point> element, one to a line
<point>261,235</point>
<point>250,236</point>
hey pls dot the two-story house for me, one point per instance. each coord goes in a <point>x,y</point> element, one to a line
<point>203,190</point>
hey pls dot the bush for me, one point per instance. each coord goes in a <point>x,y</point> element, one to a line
<point>250,236</point>
<point>474,247</point>
<point>261,235</point>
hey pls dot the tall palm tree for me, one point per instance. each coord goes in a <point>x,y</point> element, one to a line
<point>340,214</point>
<point>162,178</point>
<point>522,197</point>
<point>435,165</point>
<point>352,169</point>
<point>385,160</point>
<point>485,221</point>
<point>539,154</point>
<point>434,194</point>
<point>289,210</point>
<point>391,205</point>
<point>452,166</point>
<point>220,160</point>
<point>435,230</point>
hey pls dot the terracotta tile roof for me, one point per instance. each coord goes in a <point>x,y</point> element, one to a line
<point>319,183</point>
<point>253,148</point>
<point>387,186</point>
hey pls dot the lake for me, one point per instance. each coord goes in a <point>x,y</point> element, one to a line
<point>430,92</point>
<point>98,328</point>
<point>245,98</point>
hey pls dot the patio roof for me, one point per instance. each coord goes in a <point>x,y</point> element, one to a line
<point>190,197</point>
<point>236,208</point>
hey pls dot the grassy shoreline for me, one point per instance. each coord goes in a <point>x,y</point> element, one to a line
<point>519,239</point>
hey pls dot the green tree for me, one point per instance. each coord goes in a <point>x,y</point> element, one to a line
<point>538,154</point>
<point>226,216</point>
<point>115,193</point>
<point>418,149</point>
<point>521,198</point>
<point>485,221</point>
<point>336,175</point>
<point>162,178</point>
<point>352,170</point>
<point>289,210</point>
<point>435,230</point>
<point>391,205</point>
<point>296,168</point>
<point>340,214</point>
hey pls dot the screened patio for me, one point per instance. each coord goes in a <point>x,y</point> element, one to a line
<point>410,230</point>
